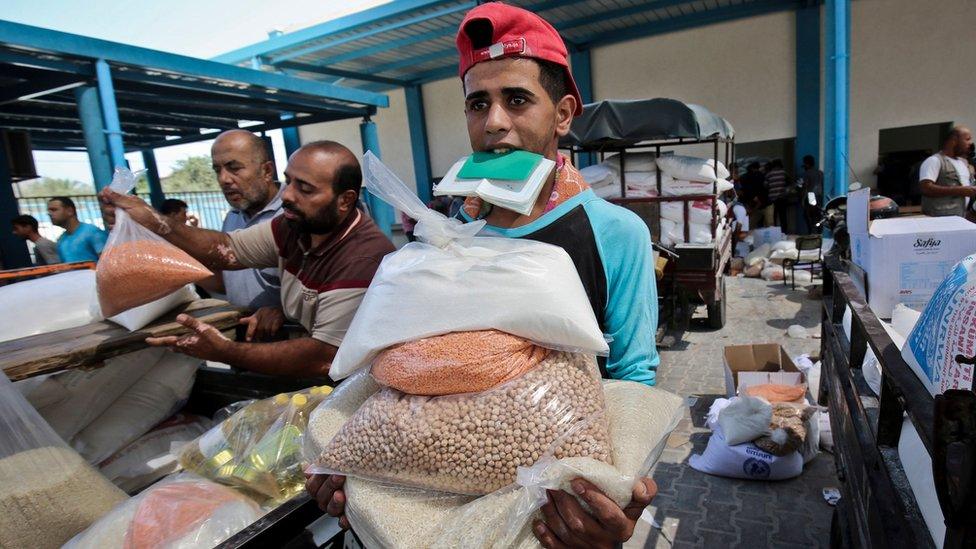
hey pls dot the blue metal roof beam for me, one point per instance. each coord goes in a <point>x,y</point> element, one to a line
<point>329,71</point>
<point>73,44</point>
<point>719,15</point>
<point>619,12</point>
<point>375,31</point>
<point>38,87</point>
<point>414,60</point>
<point>449,30</point>
<point>378,14</point>
<point>299,121</point>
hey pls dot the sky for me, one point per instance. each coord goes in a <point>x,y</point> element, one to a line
<point>189,27</point>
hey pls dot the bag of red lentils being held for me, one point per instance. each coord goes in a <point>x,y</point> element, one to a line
<point>138,266</point>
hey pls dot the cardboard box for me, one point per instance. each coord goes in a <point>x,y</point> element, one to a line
<point>905,258</point>
<point>758,363</point>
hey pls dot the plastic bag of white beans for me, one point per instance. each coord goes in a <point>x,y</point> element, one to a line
<point>384,515</point>
<point>474,443</point>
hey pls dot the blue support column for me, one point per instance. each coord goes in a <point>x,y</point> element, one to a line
<point>156,195</point>
<point>419,145</point>
<point>583,75</point>
<point>381,211</point>
<point>292,139</point>
<point>92,126</point>
<point>808,83</point>
<point>110,115</point>
<point>838,60</point>
<point>13,249</point>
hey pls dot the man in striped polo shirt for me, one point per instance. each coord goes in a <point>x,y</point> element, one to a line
<point>325,247</point>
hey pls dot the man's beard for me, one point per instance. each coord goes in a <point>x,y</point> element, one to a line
<point>325,222</point>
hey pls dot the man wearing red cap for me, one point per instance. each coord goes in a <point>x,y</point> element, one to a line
<point>520,94</point>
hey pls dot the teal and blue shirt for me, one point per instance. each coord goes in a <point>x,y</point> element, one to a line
<point>611,248</point>
<point>85,244</point>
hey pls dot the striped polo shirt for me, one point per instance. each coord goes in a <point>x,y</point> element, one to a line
<point>321,287</point>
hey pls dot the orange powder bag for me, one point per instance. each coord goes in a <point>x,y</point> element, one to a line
<point>774,393</point>
<point>138,266</point>
<point>459,362</point>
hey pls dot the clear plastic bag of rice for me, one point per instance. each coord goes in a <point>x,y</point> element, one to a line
<point>388,516</point>
<point>182,511</point>
<point>48,492</point>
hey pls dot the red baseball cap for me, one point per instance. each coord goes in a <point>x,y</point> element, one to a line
<point>515,32</point>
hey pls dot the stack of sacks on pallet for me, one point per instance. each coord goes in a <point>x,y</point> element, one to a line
<point>687,175</point>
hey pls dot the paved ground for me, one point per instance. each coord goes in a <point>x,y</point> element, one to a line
<point>699,510</point>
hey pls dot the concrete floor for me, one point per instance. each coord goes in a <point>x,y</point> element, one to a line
<point>699,510</point>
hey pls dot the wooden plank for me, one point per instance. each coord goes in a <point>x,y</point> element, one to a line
<point>88,346</point>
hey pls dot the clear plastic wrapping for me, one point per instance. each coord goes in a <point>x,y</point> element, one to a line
<point>474,443</point>
<point>462,362</point>
<point>180,512</point>
<point>258,449</point>
<point>48,493</point>
<point>138,266</point>
<point>388,516</point>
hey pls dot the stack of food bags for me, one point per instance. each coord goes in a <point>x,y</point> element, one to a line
<point>490,383</point>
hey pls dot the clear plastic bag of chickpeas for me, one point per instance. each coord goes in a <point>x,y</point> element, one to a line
<point>473,443</point>
<point>259,447</point>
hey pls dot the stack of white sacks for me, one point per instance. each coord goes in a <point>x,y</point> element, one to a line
<point>680,176</point>
<point>106,414</point>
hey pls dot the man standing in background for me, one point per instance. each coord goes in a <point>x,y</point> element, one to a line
<point>45,251</point>
<point>945,177</point>
<point>776,191</point>
<point>812,182</point>
<point>80,241</point>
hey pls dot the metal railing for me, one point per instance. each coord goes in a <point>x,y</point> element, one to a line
<point>209,207</point>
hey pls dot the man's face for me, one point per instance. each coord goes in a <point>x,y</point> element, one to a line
<point>507,108</point>
<point>23,231</point>
<point>963,141</point>
<point>59,213</point>
<point>308,201</point>
<point>243,178</point>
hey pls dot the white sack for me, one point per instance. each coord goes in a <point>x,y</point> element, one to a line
<point>92,392</point>
<point>745,461</point>
<point>452,281</point>
<point>154,397</point>
<point>690,168</point>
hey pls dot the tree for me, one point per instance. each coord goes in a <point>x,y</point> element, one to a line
<point>194,173</point>
<point>55,186</point>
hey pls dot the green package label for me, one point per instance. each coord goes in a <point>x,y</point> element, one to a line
<point>509,166</point>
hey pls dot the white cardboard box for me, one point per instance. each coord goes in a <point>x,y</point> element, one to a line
<point>905,258</point>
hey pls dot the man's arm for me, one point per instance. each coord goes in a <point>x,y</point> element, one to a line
<point>929,188</point>
<point>211,248</point>
<point>302,357</point>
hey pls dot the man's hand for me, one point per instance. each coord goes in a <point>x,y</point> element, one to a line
<point>204,341</point>
<point>138,210</point>
<point>567,524</point>
<point>192,220</point>
<point>326,490</point>
<point>264,323</point>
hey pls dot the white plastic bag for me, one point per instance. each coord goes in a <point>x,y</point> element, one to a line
<point>148,458</point>
<point>745,461</point>
<point>633,162</point>
<point>784,246</point>
<point>941,349</point>
<point>47,491</point>
<point>674,233</point>
<point>138,266</point>
<point>758,255</point>
<point>56,302</point>
<point>180,512</point>
<point>141,316</point>
<point>449,281</point>
<point>745,419</point>
<point>152,398</point>
<point>690,168</point>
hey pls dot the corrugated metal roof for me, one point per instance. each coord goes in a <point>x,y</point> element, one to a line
<point>412,42</point>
